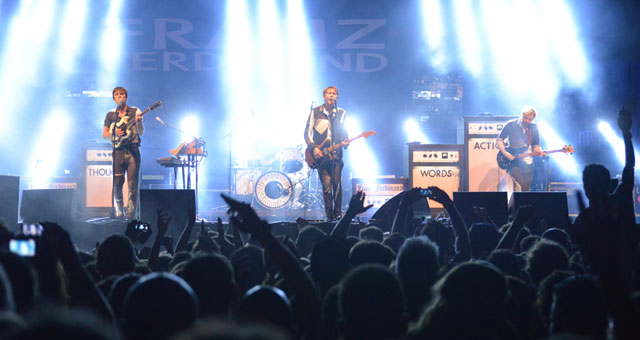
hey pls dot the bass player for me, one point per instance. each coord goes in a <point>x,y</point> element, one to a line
<point>126,157</point>
<point>325,127</point>
<point>522,135</point>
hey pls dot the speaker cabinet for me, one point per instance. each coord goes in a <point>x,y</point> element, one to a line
<point>48,205</point>
<point>550,206</point>
<point>173,202</point>
<point>9,196</point>
<point>494,201</point>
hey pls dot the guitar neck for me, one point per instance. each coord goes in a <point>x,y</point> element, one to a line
<point>535,153</point>
<point>335,147</point>
<point>133,121</point>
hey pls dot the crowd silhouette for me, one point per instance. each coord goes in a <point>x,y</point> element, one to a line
<point>440,279</point>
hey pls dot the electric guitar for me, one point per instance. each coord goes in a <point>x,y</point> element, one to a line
<point>506,164</point>
<point>125,125</point>
<point>327,151</point>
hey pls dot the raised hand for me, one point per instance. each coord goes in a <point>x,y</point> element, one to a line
<point>163,222</point>
<point>410,197</point>
<point>243,216</point>
<point>624,121</point>
<point>439,195</point>
<point>356,204</point>
<point>58,240</point>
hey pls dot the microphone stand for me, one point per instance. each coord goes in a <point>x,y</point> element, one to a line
<point>192,160</point>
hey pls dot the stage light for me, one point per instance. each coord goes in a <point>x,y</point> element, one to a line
<point>46,155</point>
<point>21,56</point>
<point>300,70</point>
<point>617,143</point>
<point>566,163</point>
<point>433,26</point>
<point>70,35</point>
<point>468,40</point>
<point>362,160</point>
<point>190,124</point>
<point>238,61</point>
<point>561,31</point>
<point>412,129</point>
<point>111,44</point>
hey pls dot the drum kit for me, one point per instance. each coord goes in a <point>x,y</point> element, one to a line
<point>280,181</point>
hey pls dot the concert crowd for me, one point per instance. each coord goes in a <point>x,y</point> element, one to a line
<point>434,279</point>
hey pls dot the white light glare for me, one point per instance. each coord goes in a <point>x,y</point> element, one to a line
<point>191,125</point>
<point>467,37</point>
<point>71,34</point>
<point>616,142</point>
<point>48,149</point>
<point>567,163</point>
<point>412,129</point>
<point>434,30</point>
<point>363,161</point>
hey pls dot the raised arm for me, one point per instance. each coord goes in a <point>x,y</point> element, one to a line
<point>624,123</point>
<point>163,226</point>
<point>356,206</point>
<point>402,214</point>
<point>459,227</point>
<point>522,216</point>
<point>246,219</point>
<point>183,242</point>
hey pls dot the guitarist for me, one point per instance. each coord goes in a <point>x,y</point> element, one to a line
<point>126,158</point>
<point>521,134</point>
<point>326,125</point>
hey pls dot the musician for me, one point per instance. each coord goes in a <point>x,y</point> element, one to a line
<point>326,123</point>
<point>521,133</point>
<point>126,157</point>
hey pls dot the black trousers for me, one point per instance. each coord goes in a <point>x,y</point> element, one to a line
<point>522,175</point>
<point>330,174</point>
<point>127,159</point>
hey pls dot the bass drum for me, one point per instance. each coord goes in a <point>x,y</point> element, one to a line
<point>291,160</point>
<point>273,190</point>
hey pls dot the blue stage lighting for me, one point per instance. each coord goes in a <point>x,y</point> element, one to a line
<point>412,129</point>
<point>617,143</point>
<point>433,26</point>
<point>363,162</point>
<point>70,36</point>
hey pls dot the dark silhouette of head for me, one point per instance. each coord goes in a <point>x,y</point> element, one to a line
<point>417,266</point>
<point>519,308</point>
<point>119,290</point>
<point>205,244</point>
<point>329,262</point>
<point>330,313</point>
<point>545,294</point>
<point>528,242</point>
<point>371,233</point>
<point>545,257</point>
<point>158,306</point>
<point>211,277</point>
<point>394,241</point>
<point>559,236</point>
<point>266,305</point>
<point>371,304</point>
<point>483,238</point>
<point>248,267</point>
<point>468,302</point>
<point>578,307</point>
<point>371,252</point>
<point>179,257</point>
<point>307,237</point>
<point>595,181</point>
<point>506,261</point>
<point>116,256</point>
<point>441,235</point>
<point>22,279</point>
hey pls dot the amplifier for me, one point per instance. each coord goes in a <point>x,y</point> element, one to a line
<point>379,190</point>
<point>435,165</point>
<point>98,178</point>
<point>481,166</point>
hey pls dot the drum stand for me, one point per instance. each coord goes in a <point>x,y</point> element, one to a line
<point>311,199</point>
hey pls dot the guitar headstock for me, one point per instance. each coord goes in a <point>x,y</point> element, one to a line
<point>568,149</point>
<point>155,106</point>
<point>368,134</point>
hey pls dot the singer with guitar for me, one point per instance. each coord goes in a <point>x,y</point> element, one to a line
<point>522,136</point>
<point>126,155</point>
<point>324,129</point>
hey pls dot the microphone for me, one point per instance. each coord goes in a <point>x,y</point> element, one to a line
<point>121,104</point>
<point>160,120</point>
